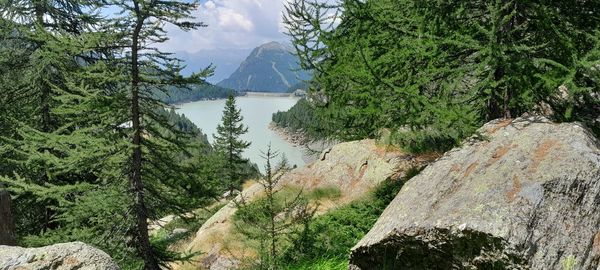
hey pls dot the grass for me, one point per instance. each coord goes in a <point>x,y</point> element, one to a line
<point>321,193</point>
<point>192,225</point>
<point>320,264</point>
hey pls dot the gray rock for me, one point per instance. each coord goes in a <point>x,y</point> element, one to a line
<point>7,228</point>
<point>179,231</point>
<point>527,197</point>
<point>66,256</point>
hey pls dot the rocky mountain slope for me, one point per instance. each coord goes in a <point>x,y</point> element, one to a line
<point>67,256</point>
<point>523,196</point>
<point>353,167</point>
<point>269,68</point>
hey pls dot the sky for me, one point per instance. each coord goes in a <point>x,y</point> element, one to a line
<point>232,24</point>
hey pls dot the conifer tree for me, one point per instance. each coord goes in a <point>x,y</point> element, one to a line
<point>157,181</point>
<point>229,144</point>
<point>439,69</point>
<point>270,220</point>
<point>45,47</point>
<point>73,148</point>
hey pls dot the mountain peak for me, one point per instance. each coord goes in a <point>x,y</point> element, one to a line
<point>271,67</point>
<point>272,46</point>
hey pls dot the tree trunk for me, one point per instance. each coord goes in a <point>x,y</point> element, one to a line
<point>45,121</point>
<point>7,228</point>
<point>144,246</point>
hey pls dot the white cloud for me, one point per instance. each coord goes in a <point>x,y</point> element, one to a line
<point>232,24</point>
<point>232,21</point>
<point>210,5</point>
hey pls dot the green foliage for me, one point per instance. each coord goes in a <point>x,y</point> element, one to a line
<point>70,136</point>
<point>269,220</point>
<point>303,118</point>
<point>439,69</point>
<point>569,263</point>
<point>230,146</point>
<point>327,239</point>
<point>324,193</point>
<point>319,264</point>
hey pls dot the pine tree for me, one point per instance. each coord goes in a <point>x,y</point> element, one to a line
<point>270,219</point>
<point>229,144</point>
<point>158,183</point>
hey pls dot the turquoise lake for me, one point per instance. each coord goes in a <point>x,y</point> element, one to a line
<point>257,111</point>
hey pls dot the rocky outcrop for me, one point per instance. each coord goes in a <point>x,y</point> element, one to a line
<point>66,256</point>
<point>353,167</point>
<point>525,195</point>
<point>7,229</point>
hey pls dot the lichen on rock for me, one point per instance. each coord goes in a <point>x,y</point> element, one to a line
<point>527,196</point>
<point>65,256</point>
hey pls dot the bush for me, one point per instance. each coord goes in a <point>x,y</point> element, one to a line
<point>327,239</point>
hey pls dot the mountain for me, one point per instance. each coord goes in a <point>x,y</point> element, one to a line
<point>224,60</point>
<point>269,68</point>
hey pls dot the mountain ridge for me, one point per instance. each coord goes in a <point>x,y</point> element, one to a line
<point>270,67</point>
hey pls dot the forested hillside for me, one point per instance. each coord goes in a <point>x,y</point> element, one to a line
<point>301,118</point>
<point>175,95</point>
<point>434,71</point>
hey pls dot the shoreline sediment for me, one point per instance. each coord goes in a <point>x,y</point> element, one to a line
<point>311,148</point>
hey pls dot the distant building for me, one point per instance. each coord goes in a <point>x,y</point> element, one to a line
<point>300,93</point>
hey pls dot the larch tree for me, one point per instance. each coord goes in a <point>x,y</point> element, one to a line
<point>434,71</point>
<point>229,144</point>
<point>156,179</point>
<point>270,220</point>
<point>48,49</point>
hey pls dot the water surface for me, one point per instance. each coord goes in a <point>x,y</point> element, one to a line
<point>257,112</point>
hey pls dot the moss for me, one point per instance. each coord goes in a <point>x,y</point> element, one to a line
<point>569,263</point>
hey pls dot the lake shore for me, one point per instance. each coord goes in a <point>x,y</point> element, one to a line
<point>293,137</point>
<point>268,94</point>
<point>311,149</point>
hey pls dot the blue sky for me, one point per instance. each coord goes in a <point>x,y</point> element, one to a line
<point>232,24</point>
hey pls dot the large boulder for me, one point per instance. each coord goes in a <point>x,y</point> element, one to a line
<point>66,256</point>
<point>7,228</point>
<point>352,167</point>
<point>525,194</point>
